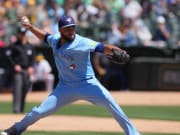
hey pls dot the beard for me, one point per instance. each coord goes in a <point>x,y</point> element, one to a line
<point>68,38</point>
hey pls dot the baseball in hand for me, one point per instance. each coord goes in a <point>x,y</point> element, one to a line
<point>24,20</point>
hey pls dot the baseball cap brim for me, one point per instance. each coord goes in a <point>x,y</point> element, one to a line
<point>68,25</point>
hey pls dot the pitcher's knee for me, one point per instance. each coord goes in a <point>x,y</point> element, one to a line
<point>35,112</point>
<point>38,112</point>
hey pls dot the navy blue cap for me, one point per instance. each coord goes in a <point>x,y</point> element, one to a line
<point>66,21</point>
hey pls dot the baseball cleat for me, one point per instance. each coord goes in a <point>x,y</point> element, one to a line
<point>3,133</point>
<point>9,131</point>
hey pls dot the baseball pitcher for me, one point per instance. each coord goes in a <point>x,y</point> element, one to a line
<point>77,79</point>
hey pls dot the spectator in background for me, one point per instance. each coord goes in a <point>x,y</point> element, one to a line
<point>162,32</point>
<point>174,6</point>
<point>124,34</point>
<point>42,72</point>
<point>21,57</point>
<point>147,13</point>
<point>160,7</point>
<point>137,13</point>
<point>2,33</point>
<point>132,10</point>
<point>2,44</point>
<point>115,8</point>
<point>88,13</point>
<point>143,33</point>
<point>146,8</point>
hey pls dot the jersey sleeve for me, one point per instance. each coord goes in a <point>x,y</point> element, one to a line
<point>51,39</point>
<point>92,45</point>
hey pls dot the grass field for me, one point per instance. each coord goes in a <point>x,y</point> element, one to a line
<point>140,112</point>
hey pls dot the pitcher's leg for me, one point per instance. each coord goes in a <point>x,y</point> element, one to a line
<point>58,98</point>
<point>46,108</point>
<point>98,95</point>
<point>110,104</point>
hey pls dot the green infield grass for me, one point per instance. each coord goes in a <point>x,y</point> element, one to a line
<point>140,112</point>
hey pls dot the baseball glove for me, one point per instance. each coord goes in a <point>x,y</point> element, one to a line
<point>119,57</point>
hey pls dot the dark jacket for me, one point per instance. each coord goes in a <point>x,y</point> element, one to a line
<point>20,54</point>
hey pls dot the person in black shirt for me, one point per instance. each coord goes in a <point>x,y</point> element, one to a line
<point>162,31</point>
<point>21,56</point>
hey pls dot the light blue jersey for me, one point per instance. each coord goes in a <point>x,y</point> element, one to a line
<point>73,58</point>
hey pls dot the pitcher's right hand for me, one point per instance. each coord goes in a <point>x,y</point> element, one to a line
<point>25,22</point>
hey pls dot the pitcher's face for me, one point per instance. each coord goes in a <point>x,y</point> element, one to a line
<point>68,33</point>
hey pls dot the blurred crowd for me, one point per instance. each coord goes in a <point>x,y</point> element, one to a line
<point>120,22</point>
<point>124,23</point>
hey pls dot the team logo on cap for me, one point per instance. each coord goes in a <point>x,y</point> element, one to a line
<point>69,20</point>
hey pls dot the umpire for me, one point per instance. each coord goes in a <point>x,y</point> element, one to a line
<point>21,56</point>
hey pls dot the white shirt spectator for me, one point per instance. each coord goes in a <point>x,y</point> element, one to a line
<point>42,72</point>
<point>132,10</point>
<point>42,69</point>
